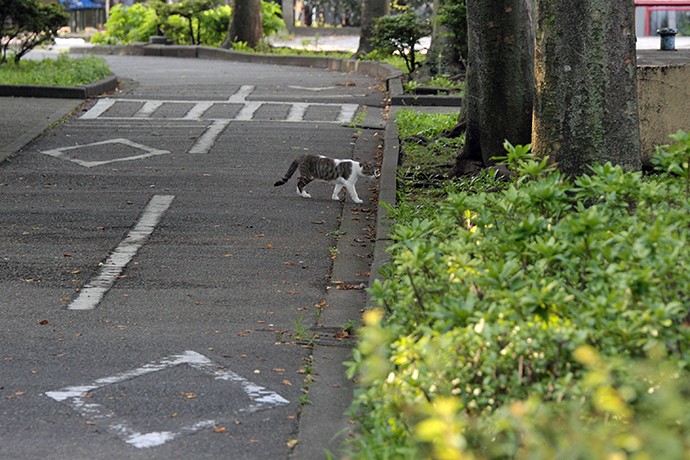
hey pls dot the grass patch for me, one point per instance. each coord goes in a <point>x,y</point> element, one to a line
<point>62,71</point>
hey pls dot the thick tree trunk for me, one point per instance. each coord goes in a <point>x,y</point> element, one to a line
<point>371,11</point>
<point>500,76</point>
<point>585,108</point>
<point>245,24</point>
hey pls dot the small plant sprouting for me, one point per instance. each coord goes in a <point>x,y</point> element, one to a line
<point>301,331</point>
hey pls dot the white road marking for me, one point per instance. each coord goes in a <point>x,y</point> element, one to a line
<point>297,112</point>
<point>242,93</point>
<point>97,110</point>
<point>91,295</point>
<point>148,152</point>
<point>80,400</point>
<point>206,141</point>
<point>198,110</point>
<point>248,111</point>
<point>147,109</point>
<point>347,113</point>
<point>307,88</point>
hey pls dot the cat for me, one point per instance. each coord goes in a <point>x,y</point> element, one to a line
<point>342,173</point>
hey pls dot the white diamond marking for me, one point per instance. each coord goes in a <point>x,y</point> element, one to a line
<point>147,152</point>
<point>77,397</point>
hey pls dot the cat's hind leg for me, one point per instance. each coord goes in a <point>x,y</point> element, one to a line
<point>301,183</point>
<point>336,191</point>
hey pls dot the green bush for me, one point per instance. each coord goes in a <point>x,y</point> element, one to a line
<point>400,34</point>
<point>492,291</point>
<point>189,22</point>
<point>128,25</point>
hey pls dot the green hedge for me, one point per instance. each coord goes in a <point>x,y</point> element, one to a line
<point>502,291</point>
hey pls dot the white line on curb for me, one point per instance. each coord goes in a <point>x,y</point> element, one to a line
<point>93,292</point>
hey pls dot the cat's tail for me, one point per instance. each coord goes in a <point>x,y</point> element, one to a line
<point>291,170</point>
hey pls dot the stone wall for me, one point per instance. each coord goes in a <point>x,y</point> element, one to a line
<point>663,88</point>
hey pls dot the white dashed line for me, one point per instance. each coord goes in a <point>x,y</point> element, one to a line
<point>206,141</point>
<point>242,93</point>
<point>91,295</point>
<point>297,112</point>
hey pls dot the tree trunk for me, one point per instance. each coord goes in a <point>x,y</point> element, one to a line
<point>585,108</point>
<point>245,24</point>
<point>500,77</point>
<point>371,11</point>
<point>445,54</point>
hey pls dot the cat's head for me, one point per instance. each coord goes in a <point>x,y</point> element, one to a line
<point>368,169</point>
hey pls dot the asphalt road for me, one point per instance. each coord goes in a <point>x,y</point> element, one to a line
<point>155,289</point>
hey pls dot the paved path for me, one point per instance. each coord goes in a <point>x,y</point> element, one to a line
<point>158,294</point>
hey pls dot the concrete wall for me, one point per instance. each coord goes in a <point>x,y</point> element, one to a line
<point>663,88</point>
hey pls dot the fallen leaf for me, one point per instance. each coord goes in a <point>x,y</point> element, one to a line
<point>343,334</point>
<point>188,395</point>
<point>286,382</point>
<point>19,393</point>
<point>219,429</point>
<point>292,443</point>
<point>278,370</point>
<point>43,322</point>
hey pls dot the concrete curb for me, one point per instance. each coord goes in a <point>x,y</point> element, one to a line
<point>61,92</point>
<point>387,197</point>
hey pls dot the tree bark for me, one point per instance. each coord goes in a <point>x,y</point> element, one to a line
<point>585,109</point>
<point>371,11</point>
<point>500,77</point>
<point>245,24</point>
<point>445,54</point>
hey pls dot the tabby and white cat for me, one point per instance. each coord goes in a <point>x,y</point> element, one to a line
<point>342,173</point>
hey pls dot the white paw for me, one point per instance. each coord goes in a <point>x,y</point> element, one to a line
<point>358,201</point>
<point>335,198</point>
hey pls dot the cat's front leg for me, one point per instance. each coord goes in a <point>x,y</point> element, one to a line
<point>336,192</point>
<point>353,193</point>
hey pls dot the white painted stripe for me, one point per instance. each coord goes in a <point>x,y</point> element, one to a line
<point>147,109</point>
<point>313,88</point>
<point>198,110</point>
<point>297,112</point>
<point>91,295</point>
<point>248,111</point>
<point>79,399</point>
<point>208,139</point>
<point>97,110</point>
<point>347,113</point>
<point>242,93</point>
